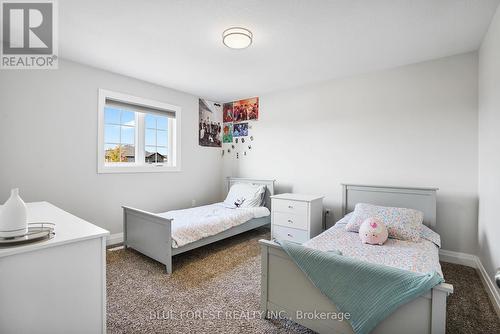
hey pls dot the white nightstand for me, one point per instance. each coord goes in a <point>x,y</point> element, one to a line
<point>296,217</point>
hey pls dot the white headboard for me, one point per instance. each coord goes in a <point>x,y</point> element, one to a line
<point>422,199</point>
<point>268,183</point>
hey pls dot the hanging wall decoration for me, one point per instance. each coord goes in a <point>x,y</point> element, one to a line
<point>228,112</point>
<point>210,123</point>
<point>240,129</point>
<point>227,136</point>
<point>247,109</point>
<point>238,117</point>
<point>252,106</point>
<point>241,110</point>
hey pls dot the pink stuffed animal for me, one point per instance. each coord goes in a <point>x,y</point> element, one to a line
<point>373,231</point>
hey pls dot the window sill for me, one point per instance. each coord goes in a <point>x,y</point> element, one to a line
<point>136,169</point>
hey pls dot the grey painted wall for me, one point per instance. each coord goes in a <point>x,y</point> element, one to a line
<point>413,126</point>
<point>489,148</point>
<point>48,142</point>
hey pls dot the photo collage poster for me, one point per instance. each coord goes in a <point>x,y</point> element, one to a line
<point>236,116</point>
<point>210,123</point>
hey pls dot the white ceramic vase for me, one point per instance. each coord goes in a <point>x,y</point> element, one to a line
<point>13,216</point>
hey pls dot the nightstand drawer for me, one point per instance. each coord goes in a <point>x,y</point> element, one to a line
<point>290,220</point>
<point>295,207</point>
<point>290,234</point>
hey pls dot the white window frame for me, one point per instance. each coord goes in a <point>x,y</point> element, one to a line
<point>140,166</point>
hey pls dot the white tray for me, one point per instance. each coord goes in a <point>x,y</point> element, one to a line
<point>36,232</point>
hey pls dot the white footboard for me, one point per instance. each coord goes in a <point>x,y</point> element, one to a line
<point>286,290</point>
<point>149,234</point>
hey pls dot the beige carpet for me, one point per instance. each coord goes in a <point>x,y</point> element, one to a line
<point>216,289</point>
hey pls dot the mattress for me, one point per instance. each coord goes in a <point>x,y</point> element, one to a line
<point>190,225</point>
<point>420,257</point>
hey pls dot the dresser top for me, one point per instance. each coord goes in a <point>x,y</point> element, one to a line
<point>297,197</point>
<point>68,228</point>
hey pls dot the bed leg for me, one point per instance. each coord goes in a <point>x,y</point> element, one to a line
<point>168,265</point>
<point>263,284</point>
<point>124,228</point>
<point>438,312</point>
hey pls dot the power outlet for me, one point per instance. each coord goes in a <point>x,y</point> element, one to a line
<point>328,218</point>
<point>193,203</point>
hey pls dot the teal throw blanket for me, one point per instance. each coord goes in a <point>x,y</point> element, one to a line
<point>368,292</point>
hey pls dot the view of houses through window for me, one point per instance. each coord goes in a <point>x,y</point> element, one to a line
<point>137,135</point>
<point>120,136</point>
<point>156,138</point>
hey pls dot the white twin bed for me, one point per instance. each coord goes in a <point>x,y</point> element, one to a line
<point>286,288</point>
<point>163,235</point>
<point>193,224</point>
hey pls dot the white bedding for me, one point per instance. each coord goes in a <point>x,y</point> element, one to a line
<point>421,256</point>
<point>193,224</point>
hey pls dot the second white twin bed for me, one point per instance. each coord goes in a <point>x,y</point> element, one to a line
<point>163,235</point>
<point>286,287</point>
<point>193,224</point>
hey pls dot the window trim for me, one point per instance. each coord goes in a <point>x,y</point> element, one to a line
<point>174,130</point>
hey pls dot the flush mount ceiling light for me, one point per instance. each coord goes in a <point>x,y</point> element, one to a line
<point>237,38</point>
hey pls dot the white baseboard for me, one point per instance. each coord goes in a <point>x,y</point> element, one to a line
<point>490,286</point>
<point>114,239</point>
<point>464,259</point>
<point>473,261</point>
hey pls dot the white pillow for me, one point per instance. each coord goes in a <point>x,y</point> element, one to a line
<point>245,195</point>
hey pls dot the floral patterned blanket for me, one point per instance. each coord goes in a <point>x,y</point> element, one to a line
<point>419,257</point>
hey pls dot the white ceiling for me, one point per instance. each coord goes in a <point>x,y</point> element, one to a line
<point>177,43</point>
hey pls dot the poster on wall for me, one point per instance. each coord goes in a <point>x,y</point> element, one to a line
<point>239,112</point>
<point>227,136</point>
<point>210,127</point>
<point>251,107</point>
<point>228,112</point>
<point>240,129</point>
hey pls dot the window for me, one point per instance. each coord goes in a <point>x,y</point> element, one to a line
<point>119,135</point>
<point>156,139</point>
<point>137,135</point>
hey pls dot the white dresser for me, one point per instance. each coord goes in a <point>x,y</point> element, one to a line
<point>296,217</point>
<point>58,285</point>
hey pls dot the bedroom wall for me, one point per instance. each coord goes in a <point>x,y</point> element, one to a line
<point>48,143</point>
<point>489,148</point>
<point>412,126</point>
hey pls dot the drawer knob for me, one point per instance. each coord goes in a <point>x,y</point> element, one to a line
<point>290,221</point>
<point>291,236</point>
<point>290,207</point>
